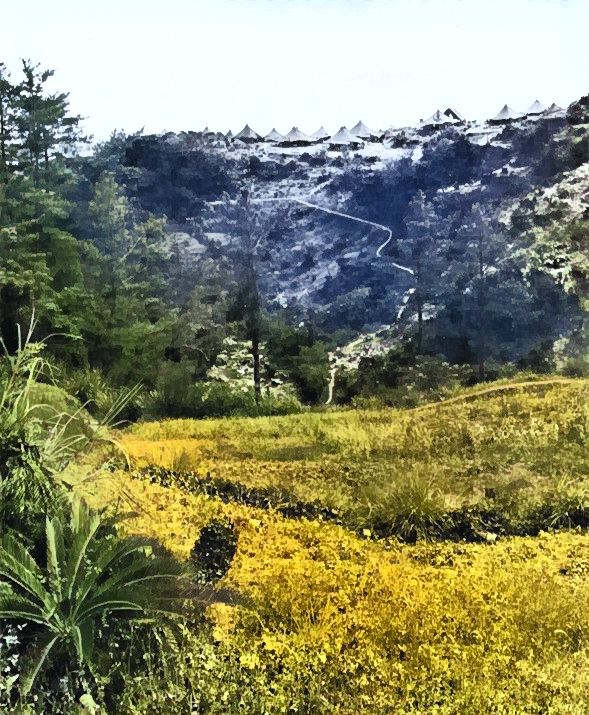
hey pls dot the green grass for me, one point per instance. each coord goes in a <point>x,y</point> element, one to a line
<point>516,451</point>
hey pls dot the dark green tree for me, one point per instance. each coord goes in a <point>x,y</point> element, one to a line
<point>235,231</point>
<point>9,94</point>
<point>482,247</point>
<point>422,249</point>
<point>45,127</point>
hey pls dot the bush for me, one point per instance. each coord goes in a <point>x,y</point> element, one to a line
<point>98,396</point>
<point>215,399</point>
<point>213,553</point>
<point>174,391</point>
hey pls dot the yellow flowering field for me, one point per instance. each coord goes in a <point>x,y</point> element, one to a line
<point>352,625</point>
<point>325,621</point>
<point>516,450</point>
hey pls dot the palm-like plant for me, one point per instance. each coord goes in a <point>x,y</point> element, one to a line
<point>89,573</point>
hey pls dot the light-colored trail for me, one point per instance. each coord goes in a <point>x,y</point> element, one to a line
<point>343,215</point>
<point>308,204</point>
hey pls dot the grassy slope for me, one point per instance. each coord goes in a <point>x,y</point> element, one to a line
<point>514,448</point>
<point>336,624</point>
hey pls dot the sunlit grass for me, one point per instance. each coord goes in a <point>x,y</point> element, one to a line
<point>333,622</point>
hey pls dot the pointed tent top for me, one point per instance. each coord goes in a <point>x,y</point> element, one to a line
<point>229,134</point>
<point>362,131</point>
<point>248,133</point>
<point>296,135</point>
<point>452,113</point>
<point>343,136</point>
<point>536,108</point>
<point>274,136</point>
<point>437,119</point>
<point>553,108</point>
<point>206,130</point>
<point>507,113</point>
<point>320,133</point>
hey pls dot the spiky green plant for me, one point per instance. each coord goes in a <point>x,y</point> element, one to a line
<point>414,507</point>
<point>88,573</point>
<point>418,506</point>
<point>29,455</point>
<point>42,429</point>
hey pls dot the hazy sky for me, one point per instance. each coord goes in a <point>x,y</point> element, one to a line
<point>183,64</point>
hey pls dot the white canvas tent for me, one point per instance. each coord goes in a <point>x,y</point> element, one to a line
<point>247,134</point>
<point>320,134</point>
<point>438,120</point>
<point>297,138</point>
<point>344,138</point>
<point>362,131</point>
<point>553,108</point>
<point>536,108</point>
<point>273,136</point>
<point>507,114</point>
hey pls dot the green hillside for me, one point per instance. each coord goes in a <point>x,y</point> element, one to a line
<point>314,618</point>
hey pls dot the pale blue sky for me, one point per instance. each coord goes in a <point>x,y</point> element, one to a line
<point>183,64</point>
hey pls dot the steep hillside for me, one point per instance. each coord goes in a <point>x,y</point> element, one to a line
<point>338,232</point>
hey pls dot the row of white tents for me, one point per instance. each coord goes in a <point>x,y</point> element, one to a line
<point>439,119</point>
<point>356,136</point>
<point>360,133</point>
<point>507,114</point>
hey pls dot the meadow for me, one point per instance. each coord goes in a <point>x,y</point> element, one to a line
<point>342,615</point>
<point>514,453</point>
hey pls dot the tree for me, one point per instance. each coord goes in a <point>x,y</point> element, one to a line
<point>45,129</point>
<point>236,231</point>
<point>40,272</point>
<point>8,97</point>
<point>485,292</point>
<point>481,250</point>
<point>130,285</point>
<point>422,249</point>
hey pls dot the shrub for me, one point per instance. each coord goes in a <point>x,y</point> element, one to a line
<point>213,552</point>
<point>412,508</point>
<point>218,399</point>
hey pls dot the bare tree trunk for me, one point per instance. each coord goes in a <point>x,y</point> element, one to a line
<point>419,301</point>
<point>481,313</point>
<point>481,350</point>
<point>253,323</point>
<point>419,324</point>
<point>46,163</point>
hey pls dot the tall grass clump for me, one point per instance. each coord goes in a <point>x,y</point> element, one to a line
<point>33,444</point>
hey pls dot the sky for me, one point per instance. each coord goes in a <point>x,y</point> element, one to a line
<point>181,65</point>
